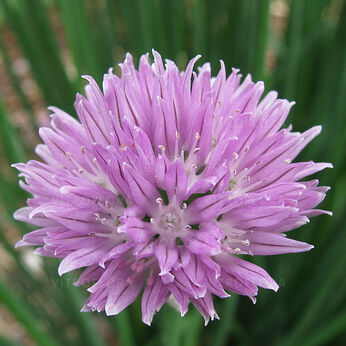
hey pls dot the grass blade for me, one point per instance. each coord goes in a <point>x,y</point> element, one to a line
<point>10,139</point>
<point>22,313</point>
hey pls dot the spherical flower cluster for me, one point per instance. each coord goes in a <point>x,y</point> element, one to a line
<point>168,177</point>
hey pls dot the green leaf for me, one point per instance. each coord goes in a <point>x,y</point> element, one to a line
<point>10,139</point>
<point>22,313</point>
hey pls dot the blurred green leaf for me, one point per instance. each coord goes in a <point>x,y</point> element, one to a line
<point>22,314</point>
<point>10,140</point>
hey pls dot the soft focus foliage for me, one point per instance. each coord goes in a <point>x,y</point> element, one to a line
<point>297,47</point>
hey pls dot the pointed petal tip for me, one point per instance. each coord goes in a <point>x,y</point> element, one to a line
<point>85,308</point>
<point>87,77</point>
<point>112,311</point>
<point>275,286</point>
<point>63,267</point>
<point>147,322</point>
<point>16,215</point>
<point>153,51</point>
<point>20,243</point>
<point>15,165</point>
<point>317,129</point>
<point>61,270</point>
<point>52,108</point>
<point>128,56</point>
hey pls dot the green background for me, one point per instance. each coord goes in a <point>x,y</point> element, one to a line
<point>297,47</point>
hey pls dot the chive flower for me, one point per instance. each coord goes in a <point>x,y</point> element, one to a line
<point>166,179</point>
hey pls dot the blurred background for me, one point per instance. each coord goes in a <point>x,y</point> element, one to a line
<point>297,47</point>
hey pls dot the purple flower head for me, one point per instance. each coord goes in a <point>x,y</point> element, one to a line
<point>166,179</point>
